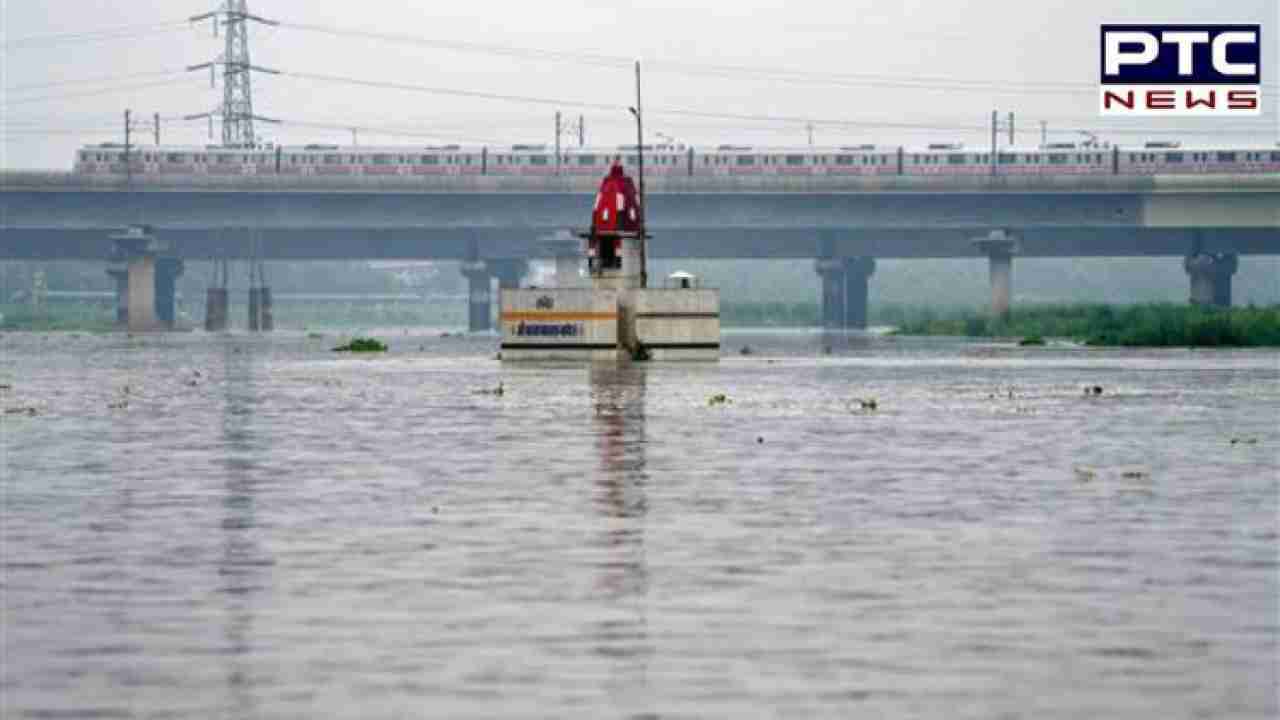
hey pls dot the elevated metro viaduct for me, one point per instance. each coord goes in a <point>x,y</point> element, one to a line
<point>494,225</point>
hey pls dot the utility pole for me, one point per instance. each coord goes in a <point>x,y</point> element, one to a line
<point>237,88</point>
<point>1044,133</point>
<point>128,134</point>
<point>355,137</point>
<point>582,132</point>
<point>638,111</point>
<point>157,129</point>
<point>1011,138</point>
<point>558,131</point>
<point>995,121</point>
<point>810,134</point>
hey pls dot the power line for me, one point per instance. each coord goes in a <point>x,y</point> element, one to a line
<point>94,80</point>
<point>122,32</point>
<point>91,93</point>
<point>916,82</point>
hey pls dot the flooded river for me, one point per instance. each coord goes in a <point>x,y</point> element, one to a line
<point>257,527</point>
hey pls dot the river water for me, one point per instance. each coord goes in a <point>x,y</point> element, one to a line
<point>256,527</point>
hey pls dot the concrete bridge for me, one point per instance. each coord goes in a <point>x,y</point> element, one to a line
<point>494,224</point>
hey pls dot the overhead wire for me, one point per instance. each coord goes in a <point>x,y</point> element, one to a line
<point>843,79</point>
<point>121,32</point>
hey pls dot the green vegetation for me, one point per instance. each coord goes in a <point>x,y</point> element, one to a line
<point>1148,325</point>
<point>362,345</point>
<point>83,317</point>
<point>770,314</point>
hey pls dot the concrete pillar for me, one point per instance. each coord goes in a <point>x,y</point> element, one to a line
<point>120,274</point>
<point>567,254</point>
<point>509,272</point>
<point>255,309</point>
<point>479,302</point>
<point>266,311</point>
<point>142,294</point>
<point>1210,276</point>
<point>215,310</point>
<point>857,276</point>
<point>999,247</point>
<point>831,270</point>
<point>167,272</point>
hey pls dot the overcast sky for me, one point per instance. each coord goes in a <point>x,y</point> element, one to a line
<point>940,64</point>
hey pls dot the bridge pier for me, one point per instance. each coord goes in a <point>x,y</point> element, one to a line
<point>857,289</point>
<point>831,270</point>
<point>167,272</point>
<point>509,272</point>
<point>217,300</point>
<point>566,253</point>
<point>479,302</point>
<point>999,247</point>
<point>149,278</point>
<point>142,294</point>
<point>119,273</point>
<point>1210,276</point>
<point>261,317</point>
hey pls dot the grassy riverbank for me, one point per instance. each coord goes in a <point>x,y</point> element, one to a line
<point>1148,325</point>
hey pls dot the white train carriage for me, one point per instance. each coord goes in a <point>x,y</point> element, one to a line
<point>1172,159</point>
<point>534,160</point>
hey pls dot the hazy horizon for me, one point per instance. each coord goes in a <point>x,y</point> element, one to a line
<point>939,66</point>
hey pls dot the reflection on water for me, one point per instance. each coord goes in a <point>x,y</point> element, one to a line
<point>268,529</point>
<point>618,399</point>
<point>243,566</point>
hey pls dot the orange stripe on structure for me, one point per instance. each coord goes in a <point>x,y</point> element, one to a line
<point>545,315</point>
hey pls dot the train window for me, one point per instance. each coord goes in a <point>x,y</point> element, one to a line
<point>746,160</point>
<point>332,159</point>
<point>538,160</point>
<point>1226,157</point>
<point>1059,159</point>
<point>795,159</point>
<point>586,159</point>
<point>1173,157</point>
<point>226,159</point>
<point>958,159</point>
<point>1275,157</point>
<point>174,158</point>
<point>384,159</point>
<point>430,160</point>
<point>844,159</point>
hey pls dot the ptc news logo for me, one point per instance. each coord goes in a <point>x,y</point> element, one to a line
<point>1181,70</point>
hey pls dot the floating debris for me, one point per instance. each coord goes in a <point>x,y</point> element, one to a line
<point>1135,474</point>
<point>746,350</point>
<point>869,404</point>
<point>6,387</point>
<point>1092,390</point>
<point>121,405</point>
<point>759,439</point>
<point>718,399</point>
<point>362,345</point>
<point>28,411</point>
<point>1244,441</point>
<point>1085,474</point>
<point>497,392</point>
<point>315,336</point>
<point>1031,341</point>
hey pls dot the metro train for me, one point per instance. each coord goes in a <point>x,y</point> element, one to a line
<point>945,159</point>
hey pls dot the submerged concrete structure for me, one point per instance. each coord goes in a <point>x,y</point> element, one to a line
<point>619,317</point>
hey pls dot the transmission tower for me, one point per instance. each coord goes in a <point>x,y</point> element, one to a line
<point>237,73</point>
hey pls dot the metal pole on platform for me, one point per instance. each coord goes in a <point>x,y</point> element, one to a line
<point>995,121</point>
<point>638,111</point>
